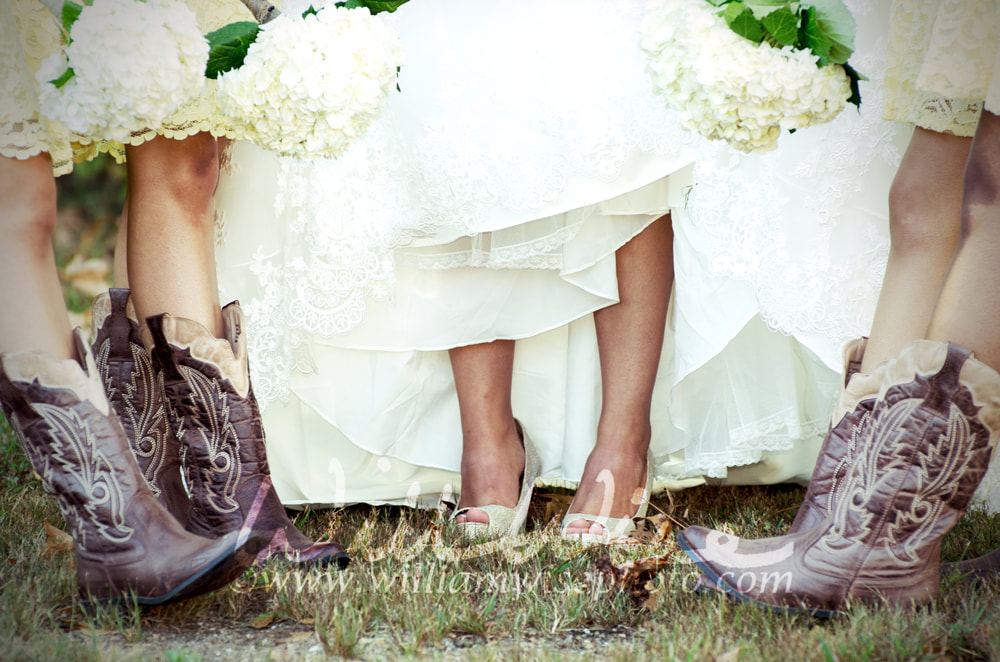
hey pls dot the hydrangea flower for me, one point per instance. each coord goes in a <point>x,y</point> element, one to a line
<point>725,87</point>
<point>134,64</point>
<point>310,86</point>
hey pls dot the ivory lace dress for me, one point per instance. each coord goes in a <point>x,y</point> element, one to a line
<point>942,58</point>
<point>524,148</point>
<point>28,34</point>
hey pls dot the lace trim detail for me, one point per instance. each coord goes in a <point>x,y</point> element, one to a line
<point>202,113</point>
<point>479,252</point>
<point>940,62</point>
<point>748,444</point>
<point>25,40</point>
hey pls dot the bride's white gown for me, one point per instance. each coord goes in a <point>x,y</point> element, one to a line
<point>525,147</point>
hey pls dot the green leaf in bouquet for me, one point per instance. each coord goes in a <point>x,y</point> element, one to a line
<point>228,47</point>
<point>70,12</point>
<point>855,79</point>
<point>783,25</point>
<point>374,6</point>
<point>718,3</point>
<point>829,30</point>
<point>65,78</point>
<point>762,8</point>
<point>811,38</point>
<point>741,20</point>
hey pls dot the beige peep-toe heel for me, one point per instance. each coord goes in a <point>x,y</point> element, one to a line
<point>614,527</point>
<point>504,520</point>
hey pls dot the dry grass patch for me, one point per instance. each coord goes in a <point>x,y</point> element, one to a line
<point>416,589</point>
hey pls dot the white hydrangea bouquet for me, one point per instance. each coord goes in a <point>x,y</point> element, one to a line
<point>127,66</point>
<point>743,71</point>
<point>308,84</point>
<point>303,84</point>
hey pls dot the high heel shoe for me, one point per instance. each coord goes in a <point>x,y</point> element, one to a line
<point>614,527</point>
<point>504,520</point>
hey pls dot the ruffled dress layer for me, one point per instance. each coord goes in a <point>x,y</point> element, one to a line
<point>28,34</point>
<point>942,55</point>
<point>524,149</point>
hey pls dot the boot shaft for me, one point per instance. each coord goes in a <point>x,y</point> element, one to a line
<point>127,546</point>
<point>74,442</point>
<point>930,441</point>
<point>212,411</point>
<point>851,415</point>
<point>211,406</point>
<point>132,389</point>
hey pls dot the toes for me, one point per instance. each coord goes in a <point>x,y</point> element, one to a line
<point>582,526</point>
<point>473,515</point>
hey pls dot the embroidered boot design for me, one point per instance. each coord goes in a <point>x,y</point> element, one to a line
<point>928,444</point>
<point>133,390</point>
<point>127,546</point>
<point>211,406</point>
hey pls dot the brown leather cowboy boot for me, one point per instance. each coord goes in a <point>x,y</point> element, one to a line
<point>127,545</point>
<point>211,406</point>
<point>981,567</point>
<point>850,417</point>
<point>933,428</point>
<point>130,384</point>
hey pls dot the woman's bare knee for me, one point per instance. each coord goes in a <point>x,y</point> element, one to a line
<point>27,203</point>
<point>185,169</point>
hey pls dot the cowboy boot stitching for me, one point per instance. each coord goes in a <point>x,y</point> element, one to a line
<point>220,441</point>
<point>92,471</point>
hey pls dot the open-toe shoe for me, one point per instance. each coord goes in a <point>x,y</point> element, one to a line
<point>504,520</point>
<point>613,527</point>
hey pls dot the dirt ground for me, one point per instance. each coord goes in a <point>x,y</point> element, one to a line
<point>285,641</point>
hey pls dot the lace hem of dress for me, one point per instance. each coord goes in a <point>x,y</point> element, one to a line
<point>199,116</point>
<point>28,138</point>
<point>747,444</point>
<point>958,117</point>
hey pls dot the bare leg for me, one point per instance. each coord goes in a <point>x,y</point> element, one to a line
<point>924,220</point>
<point>630,340</point>
<point>968,311</point>
<point>171,224</point>
<point>121,250</point>
<point>33,312</point>
<point>492,454</point>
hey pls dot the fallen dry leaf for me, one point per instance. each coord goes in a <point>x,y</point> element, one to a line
<point>653,529</point>
<point>634,576</point>
<point>57,542</point>
<point>552,506</point>
<point>262,621</point>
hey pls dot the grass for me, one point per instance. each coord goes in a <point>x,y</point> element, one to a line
<point>415,590</point>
